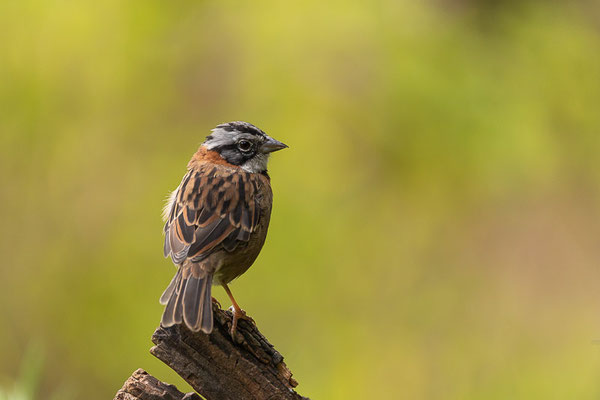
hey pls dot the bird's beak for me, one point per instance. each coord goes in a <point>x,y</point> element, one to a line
<point>271,145</point>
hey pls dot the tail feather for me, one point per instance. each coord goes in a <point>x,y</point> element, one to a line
<point>197,304</point>
<point>164,299</point>
<point>206,321</point>
<point>170,317</point>
<point>188,299</point>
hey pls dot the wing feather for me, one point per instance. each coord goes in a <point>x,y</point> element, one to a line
<point>214,207</point>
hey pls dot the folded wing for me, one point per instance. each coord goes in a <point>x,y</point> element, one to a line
<point>214,207</point>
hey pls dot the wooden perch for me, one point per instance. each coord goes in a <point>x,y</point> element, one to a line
<point>143,386</point>
<point>220,367</point>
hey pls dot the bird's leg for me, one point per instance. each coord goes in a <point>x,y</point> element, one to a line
<point>237,311</point>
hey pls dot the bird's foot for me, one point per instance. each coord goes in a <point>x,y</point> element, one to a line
<point>215,301</point>
<point>238,314</point>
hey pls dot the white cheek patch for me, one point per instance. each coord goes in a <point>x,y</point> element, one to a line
<point>256,164</point>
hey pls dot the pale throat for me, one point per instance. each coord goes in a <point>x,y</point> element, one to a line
<point>256,164</point>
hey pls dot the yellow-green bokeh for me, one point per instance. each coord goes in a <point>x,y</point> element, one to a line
<point>436,226</point>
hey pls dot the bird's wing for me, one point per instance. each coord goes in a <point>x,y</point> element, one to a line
<point>214,206</point>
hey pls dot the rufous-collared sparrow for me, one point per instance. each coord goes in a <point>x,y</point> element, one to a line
<point>217,221</point>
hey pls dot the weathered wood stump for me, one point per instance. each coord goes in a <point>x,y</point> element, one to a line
<point>143,386</point>
<point>217,366</point>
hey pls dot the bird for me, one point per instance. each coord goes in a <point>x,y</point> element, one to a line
<point>216,222</point>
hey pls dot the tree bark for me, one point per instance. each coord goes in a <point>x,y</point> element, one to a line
<point>218,366</point>
<point>143,386</point>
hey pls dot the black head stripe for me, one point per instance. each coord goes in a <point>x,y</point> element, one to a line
<point>242,127</point>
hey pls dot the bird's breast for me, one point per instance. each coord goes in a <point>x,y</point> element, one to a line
<point>235,263</point>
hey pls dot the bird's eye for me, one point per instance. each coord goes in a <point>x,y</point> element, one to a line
<point>244,145</point>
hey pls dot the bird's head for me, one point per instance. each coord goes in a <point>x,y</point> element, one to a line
<point>243,144</point>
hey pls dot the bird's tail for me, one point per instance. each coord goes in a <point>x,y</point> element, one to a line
<point>188,299</point>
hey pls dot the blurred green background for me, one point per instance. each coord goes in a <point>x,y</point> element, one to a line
<point>436,226</point>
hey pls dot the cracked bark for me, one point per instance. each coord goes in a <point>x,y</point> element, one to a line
<point>219,367</point>
<point>143,386</point>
